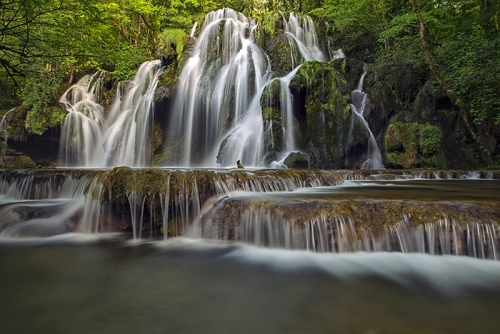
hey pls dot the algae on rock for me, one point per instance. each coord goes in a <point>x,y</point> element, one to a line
<point>414,145</point>
<point>325,116</point>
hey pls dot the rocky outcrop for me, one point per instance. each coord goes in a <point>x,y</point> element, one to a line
<point>330,132</point>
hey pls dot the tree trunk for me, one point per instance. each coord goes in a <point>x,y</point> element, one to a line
<point>464,110</point>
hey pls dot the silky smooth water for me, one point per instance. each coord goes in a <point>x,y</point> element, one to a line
<point>77,284</point>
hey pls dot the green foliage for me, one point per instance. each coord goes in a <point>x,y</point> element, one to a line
<point>470,59</point>
<point>126,61</point>
<point>38,95</point>
<point>430,139</point>
<point>269,22</point>
<point>172,36</point>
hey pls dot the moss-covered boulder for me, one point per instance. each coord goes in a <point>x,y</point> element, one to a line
<point>298,160</point>
<point>16,161</point>
<point>414,145</point>
<point>270,103</point>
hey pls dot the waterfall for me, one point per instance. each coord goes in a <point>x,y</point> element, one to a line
<point>92,137</point>
<point>339,234</point>
<point>217,111</point>
<point>3,126</point>
<point>358,106</point>
<point>260,207</point>
<point>302,31</point>
<point>31,207</point>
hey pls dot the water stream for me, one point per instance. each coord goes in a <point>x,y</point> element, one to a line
<point>359,100</point>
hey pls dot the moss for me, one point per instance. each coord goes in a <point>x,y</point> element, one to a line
<point>17,161</point>
<point>282,56</point>
<point>373,215</point>
<point>269,113</point>
<point>297,160</point>
<point>430,139</point>
<point>325,116</point>
<point>271,95</point>
<point>414,145</point>
<point>273,138</point>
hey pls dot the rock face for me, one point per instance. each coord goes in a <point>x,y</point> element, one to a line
<point>329,130</point>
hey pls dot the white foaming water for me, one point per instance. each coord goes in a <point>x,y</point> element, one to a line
<point>217,107</point>
<point>358,106</point>
<point>93,138</point>
<point>302,31</point>
<point>445,274</point>
<point>41,209</point>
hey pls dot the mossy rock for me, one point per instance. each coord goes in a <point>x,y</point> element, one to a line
<point>297,160</point>
<point>283,56</point>
<point>414,145</point>
<point>271,95</point>
<point>38,122</point>
<point>325,117</point>
<point>17,161</point>
<point>273,136</point>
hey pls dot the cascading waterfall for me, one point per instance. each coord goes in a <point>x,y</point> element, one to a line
<point>218,112</point>
<point>338,234</point>
<point>215,86</point>
<point>84,123</point>
<point>188,203</point>
<point>92,137</point>
<point>46,208</point>
<point>301,32</point>
<point>358,106</point>
<point>218,116</point>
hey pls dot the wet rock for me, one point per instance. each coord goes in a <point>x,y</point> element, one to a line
<point>330,131</point>
<point>283,54</point>
<point>298,160</point>
<point>230,218</point>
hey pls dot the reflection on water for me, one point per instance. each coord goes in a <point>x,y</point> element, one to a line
<point>68,284</point>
